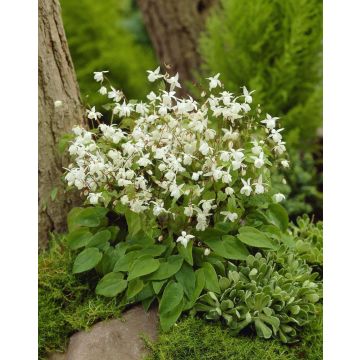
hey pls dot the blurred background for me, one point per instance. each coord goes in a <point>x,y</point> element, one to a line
<point>271,46</point>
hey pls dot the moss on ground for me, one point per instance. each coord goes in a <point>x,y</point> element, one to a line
<point>195,339</point>
<point>66,305</point>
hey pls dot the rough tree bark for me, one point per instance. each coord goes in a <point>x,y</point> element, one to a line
<point>56,82</point>
<point>174,27</point>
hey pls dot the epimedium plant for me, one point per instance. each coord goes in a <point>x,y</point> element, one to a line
<point>173,189</point>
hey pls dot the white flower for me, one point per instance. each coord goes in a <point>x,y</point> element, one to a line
<point>115,94</point>
<point>99,75</point>
<point>207,252</point>
<point>225,156</point>
<point>247,95</point>
<point>188,211</point>
<point>184,238</point>
<point>151,96</point>
<point>173,81</point>
<point>195,176</point>
<point>92,114</point>
<point>256,149</point>
<point>280,147</point>
<point>175,190</point>
<point>275,135</point>
<point>94,198</point>
<point>158,208</point>
<point>204,148</point>
<point>259,187</point>
<point>229,191</point>
<point>226,178</point>
<point>103,90</point>
<point>285,163</point>
<point>154,75</point>
<point>259,161</point>
<point>144,160</point>
<point>278,197</point>
<point>214,81</point>
<point>270,121</point>
<point>246,189</point>
<point>229,215</point>
<point>58,103</point>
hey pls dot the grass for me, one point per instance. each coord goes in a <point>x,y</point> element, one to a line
<point>195,339</point>
<point>66,305</point>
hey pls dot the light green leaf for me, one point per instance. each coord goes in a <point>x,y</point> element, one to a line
<point>186,277</point>
<point>125,261</point>
<point>262,330</point>
<point>278,216</point>
<point>253,237</point>
<point>99,238</point>
<point>186,252</point>
<point>228,247</point>
<point>87,260</point>
<point>143,266</point>
<point>78,238</point>
<point>90,216</point>
<point>134,287</point>
<point>111,284</point>
<point>167,268</point>
<point>211,280</point>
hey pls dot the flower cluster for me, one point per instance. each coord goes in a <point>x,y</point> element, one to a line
<point>173,157</point>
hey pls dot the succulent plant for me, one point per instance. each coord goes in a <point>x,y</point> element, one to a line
<point>276,300</point>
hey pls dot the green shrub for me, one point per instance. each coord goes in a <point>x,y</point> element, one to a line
<point>276,300</point>
<point>66,305</point>
<point>275,48</point>
<point>107,35</point>
<point>194,339</point>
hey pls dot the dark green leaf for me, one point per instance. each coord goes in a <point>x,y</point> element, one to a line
<point>186,252</point>
<point>167,268</point>
<point>186,277</point>
<point>211,280</point>
<point>99,238</point>
<point>228,247</point>
<point>278,216</point>
<point>87,260</point>
<point>111,284</point>
<point>78,238</point>
<point>134,287</point>
<point>143,266</point>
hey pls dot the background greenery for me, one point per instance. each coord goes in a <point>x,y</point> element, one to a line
<point>108,35</point>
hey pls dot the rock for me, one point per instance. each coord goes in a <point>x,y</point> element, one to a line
<point>117,339</point>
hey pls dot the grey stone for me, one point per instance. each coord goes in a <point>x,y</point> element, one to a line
<point>117,339</point>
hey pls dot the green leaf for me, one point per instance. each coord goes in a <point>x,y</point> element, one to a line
<point>90,216</point>
<point>278,216</point>
<point>228,247</point>
<point>111,284</point>
<point>167,268</point>
<point>167,320</point>
<point>99,238</point>
<point>71,217</point>
<point>133,221</point>
<point>262,330</point>
<point>141,238</point>
<point>171,305</point>
<point>86,260</point>
<point>186,252</point>
<point>134,287</point>
<point>253,237</point>
<point>143,266</point>
<point>157,285</point>
<point>186,277</point>
<point>125,261</point>
<point>211,280</point>
<point>78,238</point>
<point>154,250</point>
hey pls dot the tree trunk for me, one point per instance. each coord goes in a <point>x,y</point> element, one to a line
<point>56,83</point>
<point>174,27</point>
